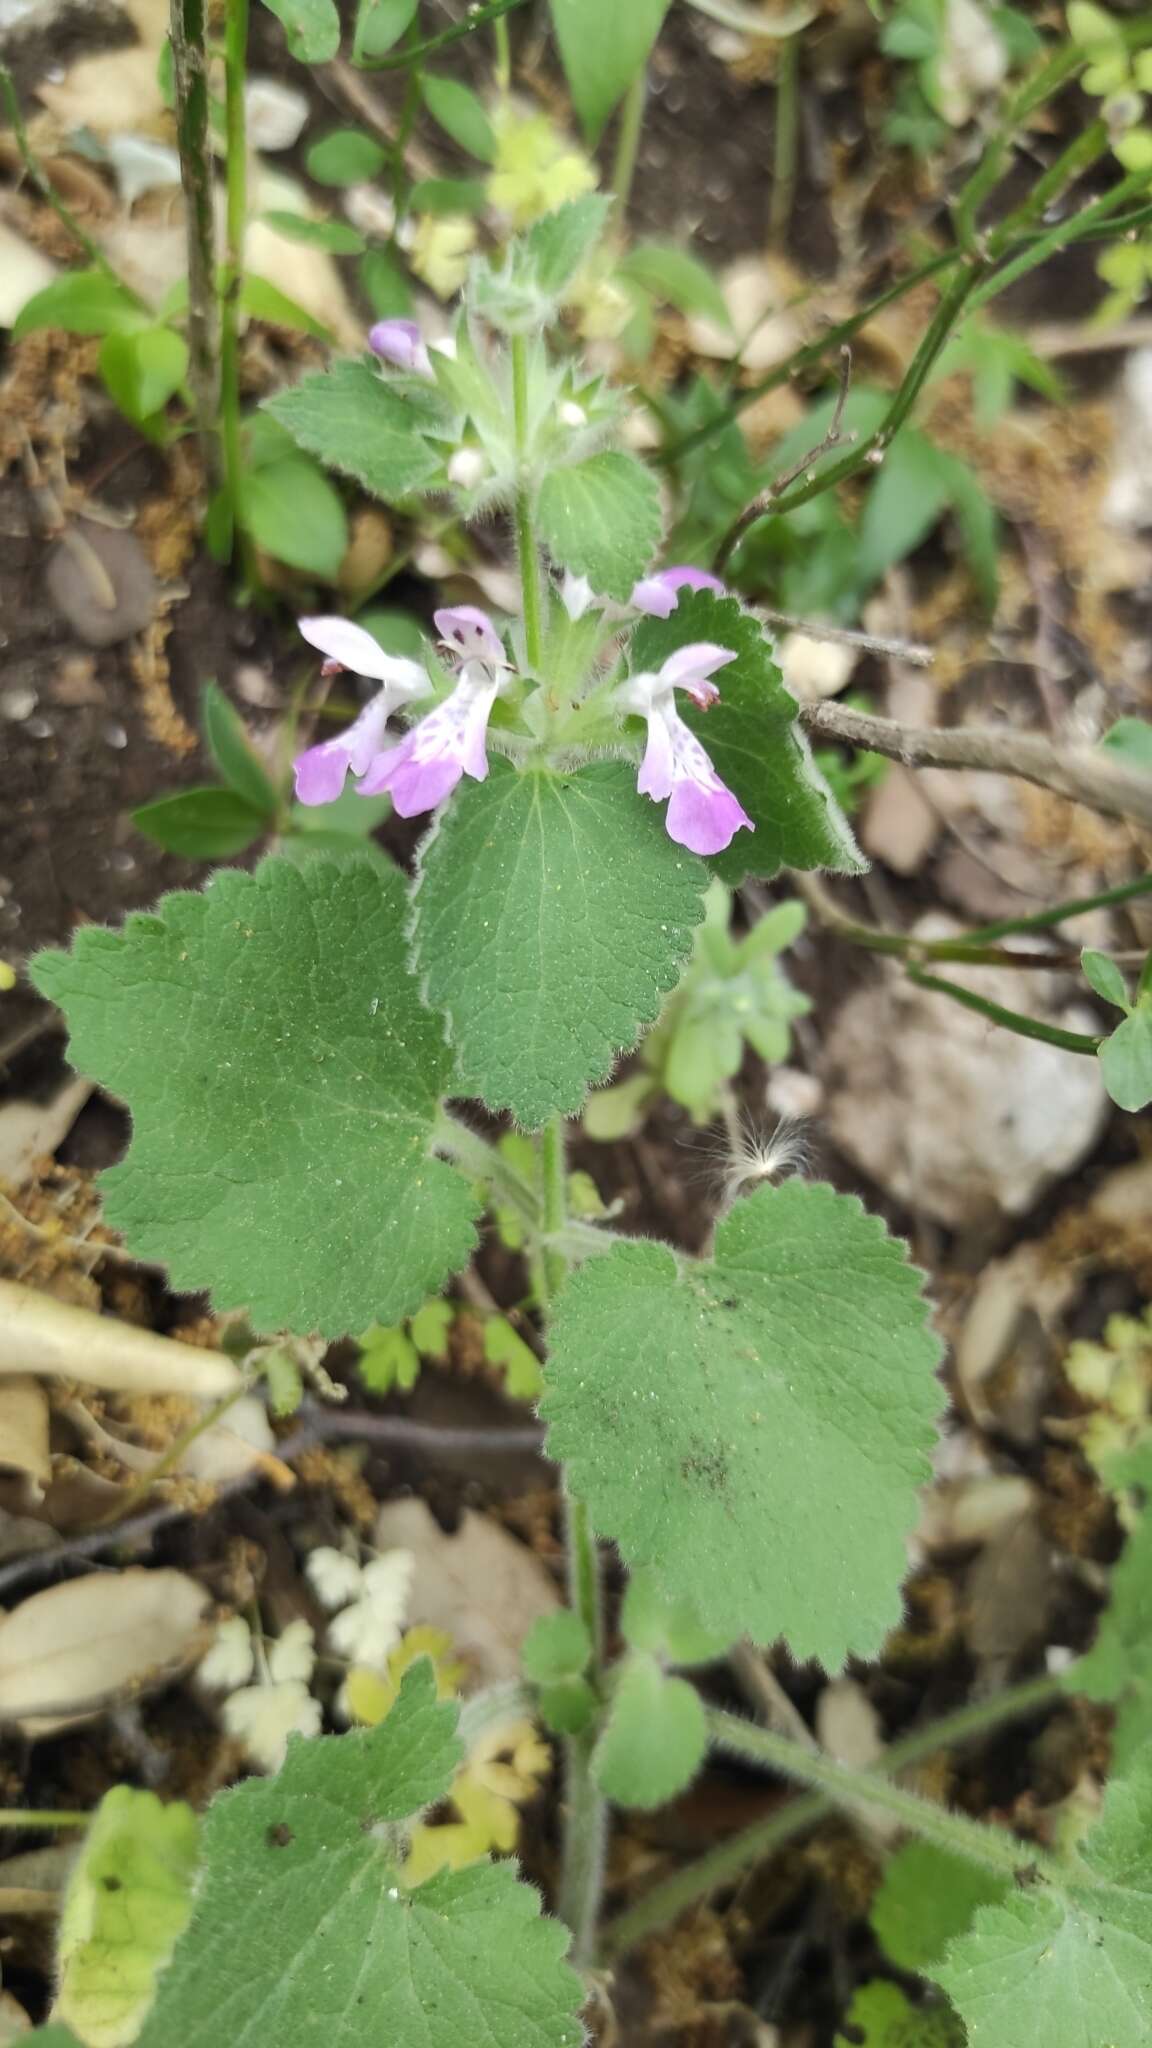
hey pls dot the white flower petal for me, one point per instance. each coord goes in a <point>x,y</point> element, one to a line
<point>292,1656</point>
<point>334,1577</point>
<point>229,1659</point>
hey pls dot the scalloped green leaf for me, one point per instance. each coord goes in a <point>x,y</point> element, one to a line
<point>305,1932</point>
<point>1070,1966</point>
<point>128,1899</point>
<point>352,420</point>
<point>655,1738</point>
<point>552,915</point>
<point>602,519</point>
<point>755,1429</point>
<point>926,1898</point>
<point>754,743</point>
<point>284,1078</point>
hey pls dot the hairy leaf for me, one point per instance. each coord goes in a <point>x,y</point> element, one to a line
<point>352,420</point>
<point>128,1899</point>
<point>754,742</point>
<point>655,1737</point>
<point>1068,1967</point>
<point>1118,1667</point>
<point>601,518</point>
<point>926,1898</point>
<point>552,914</point>
<point>280,1143</point>
<point>305,1932</point>
<point>755,1429</point>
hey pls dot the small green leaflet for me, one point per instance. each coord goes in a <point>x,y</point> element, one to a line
<point>927,1898</point>
<point>754,743</point>
<point>232,751</point>
<point>1106,976</point>
<point>675,278</point>
<point>350,418</point>
<point>128,1899</point>
<point>552,914</point>
<point>556,245</point>
<point>202,824</point>
<point>280,1150</point>
<point>311,28</point>
<point>655,1737</point>
<point>710,1413</point>
<point>604,46</point>
<point>455,108</point>
<point>1118,1667</point>
<point>81,302</point>
<point>1131,740</point>
<point>883,2016</point>
<point>1068,1967</point>
<point>305,1933</point>
<point>601,519</point>
<point>1126,1059</point>
<point>345,156</point>
<point>333,235</point>
<point>143,369</point>
<point>292,511</point>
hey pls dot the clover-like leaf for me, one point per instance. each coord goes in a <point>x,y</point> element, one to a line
<point>1070,1966</point>
<point>129,1897</point>
<point>305,1932</point>
<point>926,1898</point>
<point>283,1077</point>
<point>655,1738</point>
<point>1126,1060</point>
<point>601,518</point>
<point>754,742</point>
<point>1106,976</point>
<point>355,422</point>
<point>552,914</point>
<point>755,1428</point>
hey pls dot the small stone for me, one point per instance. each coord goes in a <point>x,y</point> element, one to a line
<point>18,704</point>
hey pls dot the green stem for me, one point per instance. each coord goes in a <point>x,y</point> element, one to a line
<point>628,144</point>
<point>51,197</point>
<point>724,1864</point>
<point>991,1847</point>
<point>1051,75</point>
<point>554,1177</point>
<point>41,1817</point>
<point>1011,1020</point>
<point>484,1162</point>
<point>959,290</point>
<point>1061,237</point>
<point>236,221</point>
<point>1082,152</point>
<point>503,54</point>
<point>785,142</point>
<point>190,84</point>
<point>409,110</point>
<point>477,17</point>
<point>1076,906</point>
<point>525,535</point>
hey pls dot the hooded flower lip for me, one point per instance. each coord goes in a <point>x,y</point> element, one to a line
<point>321,770</point>
<point>702,814</point>
<point>452,740</point>
<point>659,594</point>
<point>401,343</point>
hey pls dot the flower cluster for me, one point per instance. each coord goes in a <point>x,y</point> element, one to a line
<point>422,768</point>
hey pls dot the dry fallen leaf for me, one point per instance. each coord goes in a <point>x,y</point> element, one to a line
<point>24,1433</point>
<point>482,1587</point>
<point>69,1653</point>
<point>41,1335</point>
<point>29,1130</point>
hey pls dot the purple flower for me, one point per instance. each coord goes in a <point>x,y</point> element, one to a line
<point>320,771</point>
<point>400,343</point>
<point>452,740</point>
<point>658,595</point>
<point>702,814</point>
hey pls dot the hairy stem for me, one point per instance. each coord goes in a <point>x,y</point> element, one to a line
<point>525,536</point>
<point>190,80</point>
<point>1010,1020</point>
<point>236,220</point>
<point>724,1864</point>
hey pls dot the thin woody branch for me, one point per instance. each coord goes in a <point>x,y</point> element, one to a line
<point>1084,774</point>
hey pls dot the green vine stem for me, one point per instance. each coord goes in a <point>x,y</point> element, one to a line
<point>477,17</point>
<point>236,218</point>
<point>991,1847</point>
<point>188,26</point>
<point>1010,1020</point>
<point>628,144</point>
<point>726,1863</point>
<point>1058,913</point>
<point>51,197</point>
<point>41,1817</point>
<point>525,536</point>
<point>972,949</point>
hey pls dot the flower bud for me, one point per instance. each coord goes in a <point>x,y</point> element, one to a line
<point>467,468</point>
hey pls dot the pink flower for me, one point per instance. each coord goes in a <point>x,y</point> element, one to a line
<point>452,740</point>
<point>702,814</point>
<point>400,343</point>
<point>320,771</point>
<point>659,594</point>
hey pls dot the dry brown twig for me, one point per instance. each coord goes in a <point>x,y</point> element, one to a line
<point>1084,774</point>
